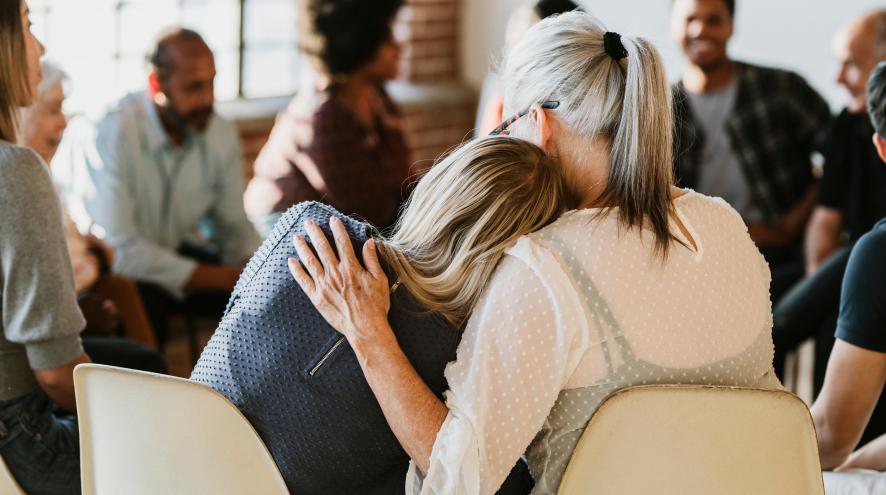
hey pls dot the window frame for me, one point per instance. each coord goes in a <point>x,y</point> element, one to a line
<point>45,8</point>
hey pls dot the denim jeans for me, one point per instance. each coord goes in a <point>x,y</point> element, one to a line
<point>40,448</point>
<point>810,309</point>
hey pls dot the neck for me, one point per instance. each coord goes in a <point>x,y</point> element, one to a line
<point>586,172</point>
<point>706,79</point>
<point>356,93</point>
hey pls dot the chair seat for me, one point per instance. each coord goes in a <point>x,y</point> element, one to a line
<point>8,485</point>
<point>855,482</point>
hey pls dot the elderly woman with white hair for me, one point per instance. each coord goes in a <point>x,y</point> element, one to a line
<point>108,301</point>
<point>642,283</point>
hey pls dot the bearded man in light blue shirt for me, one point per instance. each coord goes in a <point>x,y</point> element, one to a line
<point>157,168</point>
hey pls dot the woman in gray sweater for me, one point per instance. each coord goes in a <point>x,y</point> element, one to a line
<point>39,317</point>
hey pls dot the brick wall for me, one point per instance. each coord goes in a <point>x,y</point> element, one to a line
<point>431,28</point>
<point>438,112</point>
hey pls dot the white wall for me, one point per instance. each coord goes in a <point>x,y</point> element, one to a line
<point>794,34</point>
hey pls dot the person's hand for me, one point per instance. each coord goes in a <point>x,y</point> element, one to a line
<point>354,300</point>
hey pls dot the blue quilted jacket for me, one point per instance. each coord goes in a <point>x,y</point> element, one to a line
<point>299,382</point>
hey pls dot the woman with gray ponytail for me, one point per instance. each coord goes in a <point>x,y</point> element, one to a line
<point>642,283</point>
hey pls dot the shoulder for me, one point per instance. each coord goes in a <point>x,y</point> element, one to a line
<point>24,180</point>
<point>124,110</point>
<point>20,166</point>
<point>782,82</point>
<point>760,73</point>
<point>292,221</point>
<point>710,203</point>
<point>870,248</point>
<point>120,119</point>
<point>325,110</point>
<point>222,131</point>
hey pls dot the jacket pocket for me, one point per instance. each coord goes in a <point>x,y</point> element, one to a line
<point>322,359</point>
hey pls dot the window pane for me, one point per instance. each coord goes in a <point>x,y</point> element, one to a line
<point>270,72</point>
<point>226,67</point>
<point>270,22</point>
<point>85,54</point>
<point>141,22</point>
<point>218,21</point>
<point>101,43</point>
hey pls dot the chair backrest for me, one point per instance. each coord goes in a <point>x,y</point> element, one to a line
<point>143,433</point>
<point>696,439</point>
<point>8,485</point>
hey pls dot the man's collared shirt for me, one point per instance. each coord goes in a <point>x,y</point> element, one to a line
<point>772,130</point>
<point>149,195</point>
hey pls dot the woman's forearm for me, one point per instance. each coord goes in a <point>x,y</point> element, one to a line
<point>413,412</point>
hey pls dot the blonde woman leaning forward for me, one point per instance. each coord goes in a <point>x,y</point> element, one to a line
<point>296,378</point>
<point>642,284</point>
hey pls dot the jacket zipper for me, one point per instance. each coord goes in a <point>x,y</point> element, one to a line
<point>326,356</point>
<point>339,342</point>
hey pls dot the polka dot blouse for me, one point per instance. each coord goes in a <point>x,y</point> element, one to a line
<point>581,309</point>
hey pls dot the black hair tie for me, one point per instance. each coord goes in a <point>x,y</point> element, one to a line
<point>613,46</point>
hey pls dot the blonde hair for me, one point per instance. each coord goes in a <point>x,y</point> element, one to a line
<point>627,102</point>
<point>464,214</point>
<point>15,89</point>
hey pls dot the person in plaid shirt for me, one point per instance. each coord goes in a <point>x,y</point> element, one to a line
<point>340,140</point>
<point>745,133</point>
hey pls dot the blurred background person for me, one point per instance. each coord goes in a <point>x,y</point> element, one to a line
<point>491,105</point>
<point>857,368</point>
<point>340,140</point>
<point>746,133</point>
<point>851,199</point>
<point>40,321</point>
<point>159,167</point>
<point>109,302</point>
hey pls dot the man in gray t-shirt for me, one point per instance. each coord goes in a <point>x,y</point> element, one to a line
<point>720,172</point>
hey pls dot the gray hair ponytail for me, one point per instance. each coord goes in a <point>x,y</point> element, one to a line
<point>627,101</point>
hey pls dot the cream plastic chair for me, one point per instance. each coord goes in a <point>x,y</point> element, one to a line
<point>8,485</point>
<point>697,440</point>
<point>143,433</point>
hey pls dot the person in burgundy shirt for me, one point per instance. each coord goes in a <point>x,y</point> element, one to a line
<point>339,141</point>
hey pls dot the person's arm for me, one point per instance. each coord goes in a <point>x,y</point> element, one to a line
<point>789,227</point>
<point>808,113</point>
<point>852,387</point>
<point>857,368</point>
<point>871,456</point>
<point>822,236</point>
<point>412,410</point>
<point>39,308</point>
<point>58,382</point>
<point>517,352</point>
<point>234,234</point>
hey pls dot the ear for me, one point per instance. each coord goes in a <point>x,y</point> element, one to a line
<point>544,124</point>
<point>880,144</point>
<point>155,89</point>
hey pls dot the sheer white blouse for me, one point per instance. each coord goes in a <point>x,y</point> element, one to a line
<point>583,308</point>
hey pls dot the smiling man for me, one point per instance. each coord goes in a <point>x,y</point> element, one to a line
<point>158,167</point>
<point>745,133</point>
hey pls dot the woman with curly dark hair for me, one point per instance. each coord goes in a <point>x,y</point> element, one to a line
<point>339,141</point>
